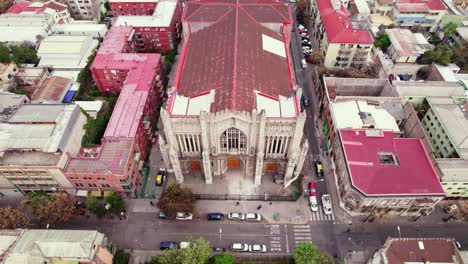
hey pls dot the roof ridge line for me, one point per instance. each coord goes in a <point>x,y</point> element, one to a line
<point>234,69</point>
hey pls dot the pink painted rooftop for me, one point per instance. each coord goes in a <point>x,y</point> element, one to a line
<point>116,40</point>
<point>417,5</point>
<point>338,26</point>
<point>223,52</point>
<point>36,7</point>
<point>412,174</point>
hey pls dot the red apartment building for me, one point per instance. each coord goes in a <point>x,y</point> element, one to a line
<point>133,7</point>
<point>116,164</point>
<point>156,23</point>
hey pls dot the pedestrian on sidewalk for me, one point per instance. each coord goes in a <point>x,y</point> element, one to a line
<point>271,203</point>
<point>259,207</point>
<point>151,202</point>
<point>237,203</point>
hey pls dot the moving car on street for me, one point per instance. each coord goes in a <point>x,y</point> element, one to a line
<point>319,168</point>
<point>162,215</point>
<point>160,177</point>
<point>257,248</point>
<point>240,247</point>
<point>253,217</point>
<point>184,216</point>
<point>216,216</point>
<point>303,63</point>
<point>327,204</point>
<point>236,216</point>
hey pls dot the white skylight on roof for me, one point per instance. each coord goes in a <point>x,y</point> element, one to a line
<point>273,45</point>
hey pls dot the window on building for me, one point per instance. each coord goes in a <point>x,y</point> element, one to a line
<point>388,158</point>
<point>92,185</point>
<point>233,140</point>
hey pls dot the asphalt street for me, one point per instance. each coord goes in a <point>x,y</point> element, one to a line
<point>144,231</point>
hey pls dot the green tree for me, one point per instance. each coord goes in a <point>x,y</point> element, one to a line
<point>441,54</point>
<point>4,53</point>
<point>307,253</point>
<point>121,257</point>
<point>153,260</point>
<point>24,55</point>
<point>382,41</point>
<point>176,199</point>
<point>198,252</point>
<point>95,206</point>
<point>116,202</point>
<point>52,209</point>
<point>303,11</point>
<point>13,218</point>
<point>223,258</point>
<point>449,29</point>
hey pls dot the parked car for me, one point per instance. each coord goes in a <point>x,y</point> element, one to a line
<point>305,38</point>
<point>218,249</point>
<point>257,248</point>
<point>303,30</point>
<point>304,34</point>
<point>327,204</point>
<point>300,26</point>
<point>313,203</point>
<point>167,245</point>
<point>236,216</point>
<point>312,189</point>
<point>306,42</point>
<point>184,216</point>
<point>241,247</point>
<point>162,215</point>
<point>253,217</point>
<point>160,177</point>
<point>216,216</point>
<point>319,168</point>
<point>451,209</point>
<point>184,244</point>
<point>303,63</point>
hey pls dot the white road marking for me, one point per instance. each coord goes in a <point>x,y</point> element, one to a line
<point>275,249</point>
<point>287,242</point>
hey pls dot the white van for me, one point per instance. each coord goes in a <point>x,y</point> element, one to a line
<point>303,63</point>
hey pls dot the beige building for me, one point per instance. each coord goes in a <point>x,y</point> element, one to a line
<point>54,246</point>
<point>406,46</point>
<point>8,70</point>
<point>381,7</point>
<point>33,144</point>
<point>243,117</point>
<point>85,9</point>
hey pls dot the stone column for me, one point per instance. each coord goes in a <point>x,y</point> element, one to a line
<point>296,167</point>
<point>260,147</point>
<point>295,145</point>
<point>176,165</point>
<point>205,148</point>
<point>164,153</point>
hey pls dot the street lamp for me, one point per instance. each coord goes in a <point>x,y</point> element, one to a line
<point>399,231</point>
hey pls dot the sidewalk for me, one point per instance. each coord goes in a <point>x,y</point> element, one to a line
<point>289,212</point>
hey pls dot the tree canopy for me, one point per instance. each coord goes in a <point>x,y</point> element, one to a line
<point>176,199</point>
<point>115,201</point>
<point>19,54</point>
<point>198,252</point>
<point>450,28</point>
<point>303,11</point>
<point>441,54</point>
<point>382,41</point>
<point>307,253</point>
<point>223,258</point>
<point>52,209</point>
<point>13,218</point>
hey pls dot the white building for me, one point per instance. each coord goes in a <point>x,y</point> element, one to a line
<point>66,52</point>
<point>34,140</point>
<point>228,116</point>
<point>25,27</point>
<point>57,10</point>
<point>81,29</point>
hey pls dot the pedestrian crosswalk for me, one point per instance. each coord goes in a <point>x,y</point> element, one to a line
<point>276,244</point>
<point>302,233</point>
<point>321,216</point>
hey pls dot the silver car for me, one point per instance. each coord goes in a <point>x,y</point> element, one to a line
<point>241,247</point>
<point>236,216</point>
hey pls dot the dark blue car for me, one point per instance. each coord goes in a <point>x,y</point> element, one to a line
<point>216,216</point>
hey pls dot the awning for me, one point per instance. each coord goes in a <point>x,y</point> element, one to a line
<point>68,97</point>
<point>96,193</point>
<point>82,193</point>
